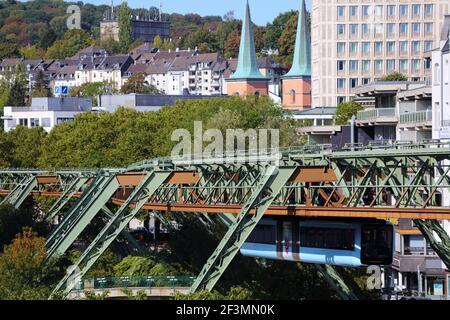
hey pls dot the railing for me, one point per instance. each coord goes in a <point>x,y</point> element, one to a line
<point>136,282</point>
<point>374,114</point>
<point>416,117</point>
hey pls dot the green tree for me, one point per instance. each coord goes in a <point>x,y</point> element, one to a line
<point>287,37</point>
<point>32,52</point>
<point>93,90</point>
<point>157,42</point>
<point>18,87</point>
<point>394,76</point>
<point>137,84</point>
<point>275,29</point>
<point>125,32</point>
<point>24,146</point>
<point>9,50</point>
<point>74,40</point>
<point>345,111</point>
<point>40,87</point>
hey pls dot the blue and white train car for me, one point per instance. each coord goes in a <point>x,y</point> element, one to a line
<point>334,242</point>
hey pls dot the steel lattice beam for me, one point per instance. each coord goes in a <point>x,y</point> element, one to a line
<point>267,188</point>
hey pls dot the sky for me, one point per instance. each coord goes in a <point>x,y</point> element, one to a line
<point>263,11</point>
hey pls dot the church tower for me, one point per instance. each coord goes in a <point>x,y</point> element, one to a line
<point>247,80</point>
<point>296,86</point>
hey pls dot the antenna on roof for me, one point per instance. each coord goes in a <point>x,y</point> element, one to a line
<point>160,11</point>
<point>112,9</point>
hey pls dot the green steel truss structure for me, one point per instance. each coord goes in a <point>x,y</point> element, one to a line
<point>396,181</point>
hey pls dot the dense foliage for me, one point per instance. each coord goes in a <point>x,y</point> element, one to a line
<point>128,136</point>
<point>345,111</point>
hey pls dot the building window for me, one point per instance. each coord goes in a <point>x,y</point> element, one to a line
<point>341,100</point>
<point>416,64</point>
<point>403,28</point>
<point>415,46</point>
<point>46,122</point>
<point>353,65</point>
<point>403,47</point>
<point>366,47</point>
<point>390,65</point>
<point>341,29</point>
<point>366,65</point>
<point>437,74</point>
<point>378,47</point>
<point>391,47</point>
<point>34,122</point>
<point>416,28</point>
<point>378,11</point>
<point>353,11</point>
<point>390,28</point>
<point>413,245</point>
<point>403,10</point>
<point>354,47</point>
<point>292,93</point>
<point>403,64</point>
<point>366,29</point>
<point>341,47</point>
<point>23,122</point>
<point>353,82</point>
<point>354,29</point>
<point>379,65</point>
<point>378,29</point>
<point>391,10</point>
<point>429,10</point>
<point>365,81</point>
<point>416,10</point>
<point>341,65</point>
<point>341,11</point>
<point>366,11</point>
<point>341,83</point>
<point>428,27</point>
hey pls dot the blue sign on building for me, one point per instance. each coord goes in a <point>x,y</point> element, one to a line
<point>64,90</point>
<point>57,90</point>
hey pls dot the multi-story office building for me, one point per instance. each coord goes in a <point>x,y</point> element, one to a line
<point>355,42</point>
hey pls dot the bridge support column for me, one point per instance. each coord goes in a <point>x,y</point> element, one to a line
<point>151,182</point>
<point>441,246</point>
<point>334,279</point>
<point>268,187</point>
<point>20,192</point>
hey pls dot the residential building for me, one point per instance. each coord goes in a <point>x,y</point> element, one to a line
<point>247,79</point>
<point>296,88</point>
<point>110,69</point>
<point>416,268</point>
<point>45,112</point>
<point>317,124</point>
<point>356,42</point>
<point>440,84</point>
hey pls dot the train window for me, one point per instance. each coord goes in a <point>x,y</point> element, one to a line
<point>377,244</point>
<point>263,234</point>
<point>327,238</point>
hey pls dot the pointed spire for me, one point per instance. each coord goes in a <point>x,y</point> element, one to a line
<point>247,67</point>
<point>301,65</point>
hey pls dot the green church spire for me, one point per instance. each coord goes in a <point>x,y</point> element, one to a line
<point>247,67</point>
<point>301,65</point>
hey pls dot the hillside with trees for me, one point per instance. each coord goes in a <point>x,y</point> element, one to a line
<point>37,29</point>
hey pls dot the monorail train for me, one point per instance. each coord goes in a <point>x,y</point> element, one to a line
<point>335,242</point>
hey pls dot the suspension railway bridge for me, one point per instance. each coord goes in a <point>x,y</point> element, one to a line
<point>395,181</point>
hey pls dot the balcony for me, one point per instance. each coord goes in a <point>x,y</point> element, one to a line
<point>377,116</point>
<point>416,119</point>
<point>319,130</point>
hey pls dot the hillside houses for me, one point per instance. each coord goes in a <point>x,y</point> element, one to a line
<point>177,72</point>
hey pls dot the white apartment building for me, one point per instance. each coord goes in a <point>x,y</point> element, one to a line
<point>355,42</point>
<point>45,112</point>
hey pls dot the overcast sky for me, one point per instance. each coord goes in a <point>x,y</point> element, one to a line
<point>263,11</point>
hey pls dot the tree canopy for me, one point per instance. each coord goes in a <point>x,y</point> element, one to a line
<point>345,111</point>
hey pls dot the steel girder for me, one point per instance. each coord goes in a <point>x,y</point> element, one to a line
<point>68,194</point>
<point>80,215</point>
<point>20,192</point>
<point>335,281</point>
<point>117,222</point>
<point>268,187</point>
